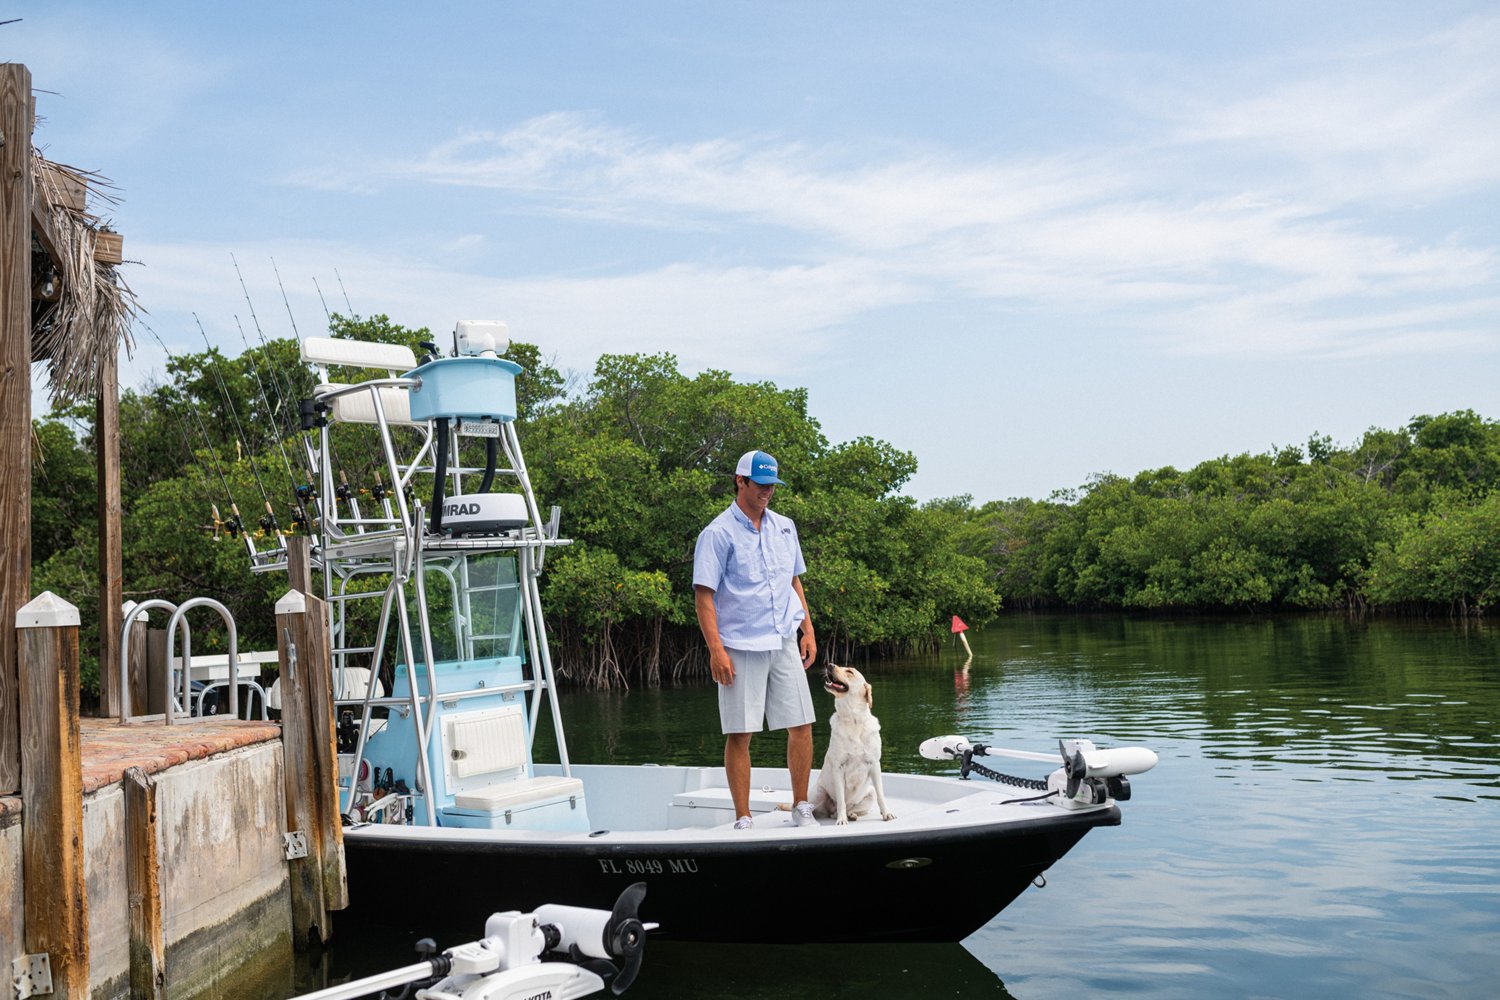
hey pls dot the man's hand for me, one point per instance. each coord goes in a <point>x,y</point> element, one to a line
<point>720,666</point>
<point>807,644</point>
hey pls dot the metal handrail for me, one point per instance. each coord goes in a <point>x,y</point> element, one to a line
<point>140,610</point>
<point>187,655</point>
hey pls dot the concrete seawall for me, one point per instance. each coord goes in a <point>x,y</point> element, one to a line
<point>224,885</point>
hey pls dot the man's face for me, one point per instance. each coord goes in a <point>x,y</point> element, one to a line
<point>753,497</point>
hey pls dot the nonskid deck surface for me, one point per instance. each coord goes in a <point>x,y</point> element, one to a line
<point>648,803</point>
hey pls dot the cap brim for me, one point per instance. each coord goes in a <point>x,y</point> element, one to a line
<point>767,480</point>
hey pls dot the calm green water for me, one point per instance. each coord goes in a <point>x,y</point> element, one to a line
<point>1325,819</point>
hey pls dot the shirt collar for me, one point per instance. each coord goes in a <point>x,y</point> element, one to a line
<point>744,518</point>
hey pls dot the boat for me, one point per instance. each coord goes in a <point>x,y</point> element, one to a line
<point>440,651</point>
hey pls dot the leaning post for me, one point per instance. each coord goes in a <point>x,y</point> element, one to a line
<point>52,876</point>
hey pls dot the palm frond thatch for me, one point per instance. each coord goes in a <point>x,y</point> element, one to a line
<point>90,315</point>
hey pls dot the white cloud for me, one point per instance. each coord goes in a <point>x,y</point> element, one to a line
<point>1230,229</point>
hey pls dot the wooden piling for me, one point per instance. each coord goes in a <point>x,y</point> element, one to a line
<point>311,759</point>
<point>111,558</point>
<point>15,398</point>
<point>136,664</point>
<point>143,877</point>
<point>52,874</point>
<point>299,563</point>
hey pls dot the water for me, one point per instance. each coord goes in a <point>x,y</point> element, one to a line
<point>1325,819</point>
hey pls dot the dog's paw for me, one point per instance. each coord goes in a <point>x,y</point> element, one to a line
<point>841,821</point>
<point>887,816</point>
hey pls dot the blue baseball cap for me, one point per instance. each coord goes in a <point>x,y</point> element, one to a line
<point>759,467</point>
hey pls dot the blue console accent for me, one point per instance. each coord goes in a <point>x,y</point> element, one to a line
<point>395,746</point>
<point>465,387</point>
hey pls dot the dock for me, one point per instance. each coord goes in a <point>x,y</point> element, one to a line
<point>217,877</point>
<point>150,858</point>
<point>142,856</point>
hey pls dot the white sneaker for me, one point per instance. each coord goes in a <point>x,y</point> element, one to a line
<point>802,814</point>
<point>744,823</point>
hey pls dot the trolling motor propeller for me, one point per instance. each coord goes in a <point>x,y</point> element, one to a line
<point>593,943</point>
<point>1075,767</point>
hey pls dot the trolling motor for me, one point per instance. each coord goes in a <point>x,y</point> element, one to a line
<point>510,962</point>
<point>1088,776</point>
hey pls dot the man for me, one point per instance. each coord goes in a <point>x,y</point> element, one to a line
<point>747,589</point>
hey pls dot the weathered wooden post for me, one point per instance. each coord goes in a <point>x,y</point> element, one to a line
<point>143,884</point>
<point>309,744</point>
<point>56,903</point>
<point>15,397</point>
<point>111,557</point>
<point>136,662</point>
<point>299,563</point>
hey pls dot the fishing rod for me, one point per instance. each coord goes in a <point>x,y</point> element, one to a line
<point>268,523</point>
<point>301,492</point>
<point>327,316</point>
<point>305,492</point>
<point>341,289</point>
<point>235,525</point>
<point>281,397</point>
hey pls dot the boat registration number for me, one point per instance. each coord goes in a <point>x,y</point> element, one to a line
<point>648,866</point>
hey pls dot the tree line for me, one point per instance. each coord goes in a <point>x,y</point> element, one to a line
<point>639,456</point>
<point>1402,520</point>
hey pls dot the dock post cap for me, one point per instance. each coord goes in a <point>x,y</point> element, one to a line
<point>293,602</point>
<point>46,610</point>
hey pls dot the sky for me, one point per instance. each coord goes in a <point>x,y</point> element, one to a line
<point>1031,243</point>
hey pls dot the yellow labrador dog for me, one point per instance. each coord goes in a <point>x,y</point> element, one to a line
<point>849,783</point>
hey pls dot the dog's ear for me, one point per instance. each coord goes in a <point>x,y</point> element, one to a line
<point>869,697</point>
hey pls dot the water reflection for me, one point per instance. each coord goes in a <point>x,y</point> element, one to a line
<point>1322,821</point>
<point>673,970</point>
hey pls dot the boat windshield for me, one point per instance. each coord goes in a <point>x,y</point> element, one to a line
<point>473,605</point>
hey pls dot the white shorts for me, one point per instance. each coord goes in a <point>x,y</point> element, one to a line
<point>769,690</point>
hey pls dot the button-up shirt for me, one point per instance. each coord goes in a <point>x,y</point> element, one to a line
<point>751,573</point>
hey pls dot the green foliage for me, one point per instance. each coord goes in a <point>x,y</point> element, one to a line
<point>1450,555</point>
<point>1398,519</point>
<point>643,458</point>
<point>640,459</point>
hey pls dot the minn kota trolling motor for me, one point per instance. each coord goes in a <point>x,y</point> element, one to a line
<point>510,962</point>
<point>1088,776</point>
